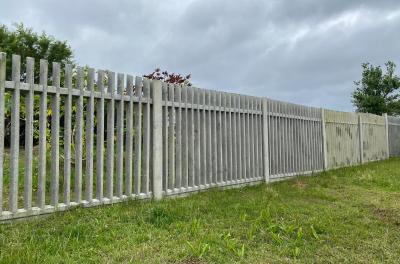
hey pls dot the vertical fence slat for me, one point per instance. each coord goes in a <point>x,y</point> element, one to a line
<point>248,138</point>
<point>197,140</point>
<point>234,139</point>
<point>256,140</point>
<point>387,135</point>
<point>14,155</point>
<point>361,138</point>
<point>29,100</point>
<point>239,139</point>
<point>120,136</point>
<point>67,134</point>
<point>99,140</point>
<point>310,134</point>
<point>110,137</point>
<point>185,136</point>
<point>270,105</point>
<point>292,139</point>
<point>178,141</point>
<point>190,128</point>
<point>224,140</point>
<point>219,138</point>
<point>246,141</point>
<point>55,137</point>
<point>2,102</point>
<point>78,136</point>
<point>165,126</point>
<point>203,135</point>
<point>252,139</point>
<point>42,135</point>
<point>90,136</point>
<point>304,140</point>
<point>244,137</point>
<point>171,137</point>
<point>157,139</point>
<point>214,136</point>
<point>138,137</point>
<point>209,170</point>
<point>146,138</point>
<point>129,137</point>
<point>260,151</point>
<point>229,136</point>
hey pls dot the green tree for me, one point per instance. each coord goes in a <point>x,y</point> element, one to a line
<point>27,43</point>
<point>378,92</point>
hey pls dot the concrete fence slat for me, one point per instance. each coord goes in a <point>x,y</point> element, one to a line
<point>185,124</point>
<point>3,67</point>
<point>79,135</point>
<point>29,101</point>
<point>129,137</point>
<point>146,139</point>
<point>178,136</point>
<point>67,134</point>
<point>89,134</point>
<point>55,137</point>
<point>110,155</point>
<point>119,162</point>
<point>171,138</point>
<point>41,193</point>
<point>138,137</point>
<point>99,142</point>
<point>165,127</point>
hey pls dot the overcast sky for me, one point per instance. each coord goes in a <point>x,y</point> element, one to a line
<point>306,52</point>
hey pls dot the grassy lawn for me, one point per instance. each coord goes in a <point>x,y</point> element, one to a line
<point>349,215</point>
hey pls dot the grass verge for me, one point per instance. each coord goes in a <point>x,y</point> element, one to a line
<point>349,215</point>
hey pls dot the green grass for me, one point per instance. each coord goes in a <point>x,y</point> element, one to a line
<point>349,215</point>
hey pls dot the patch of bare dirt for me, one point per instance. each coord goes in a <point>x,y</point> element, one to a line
<point>388,216</point>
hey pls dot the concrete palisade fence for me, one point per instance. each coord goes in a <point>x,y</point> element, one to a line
<point>114,137</point>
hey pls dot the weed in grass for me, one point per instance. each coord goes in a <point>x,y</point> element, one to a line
<point>160,217</point>
<point>198,250</point>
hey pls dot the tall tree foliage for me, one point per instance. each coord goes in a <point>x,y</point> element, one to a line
<point>27,43</point>
<point>378,92</point>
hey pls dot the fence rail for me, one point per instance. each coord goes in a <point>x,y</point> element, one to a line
<point>87,137</point>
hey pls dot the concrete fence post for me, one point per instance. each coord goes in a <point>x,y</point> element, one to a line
<point>387,133</point>
<point>157,139</point>
<point>360,137</point>
<point>265,140</point>
<point>2,102</point>
<point>324,144</point>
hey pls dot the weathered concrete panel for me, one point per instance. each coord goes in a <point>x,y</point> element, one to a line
<point>342,139</point>
<point>374,137</point>
<point>394,136</point>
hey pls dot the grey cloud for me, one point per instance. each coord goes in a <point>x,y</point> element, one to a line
<point>306,51</point>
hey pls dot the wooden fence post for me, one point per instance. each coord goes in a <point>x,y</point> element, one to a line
<point>324,144</point>
<point>157,139</point>
<point>265,140</point>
